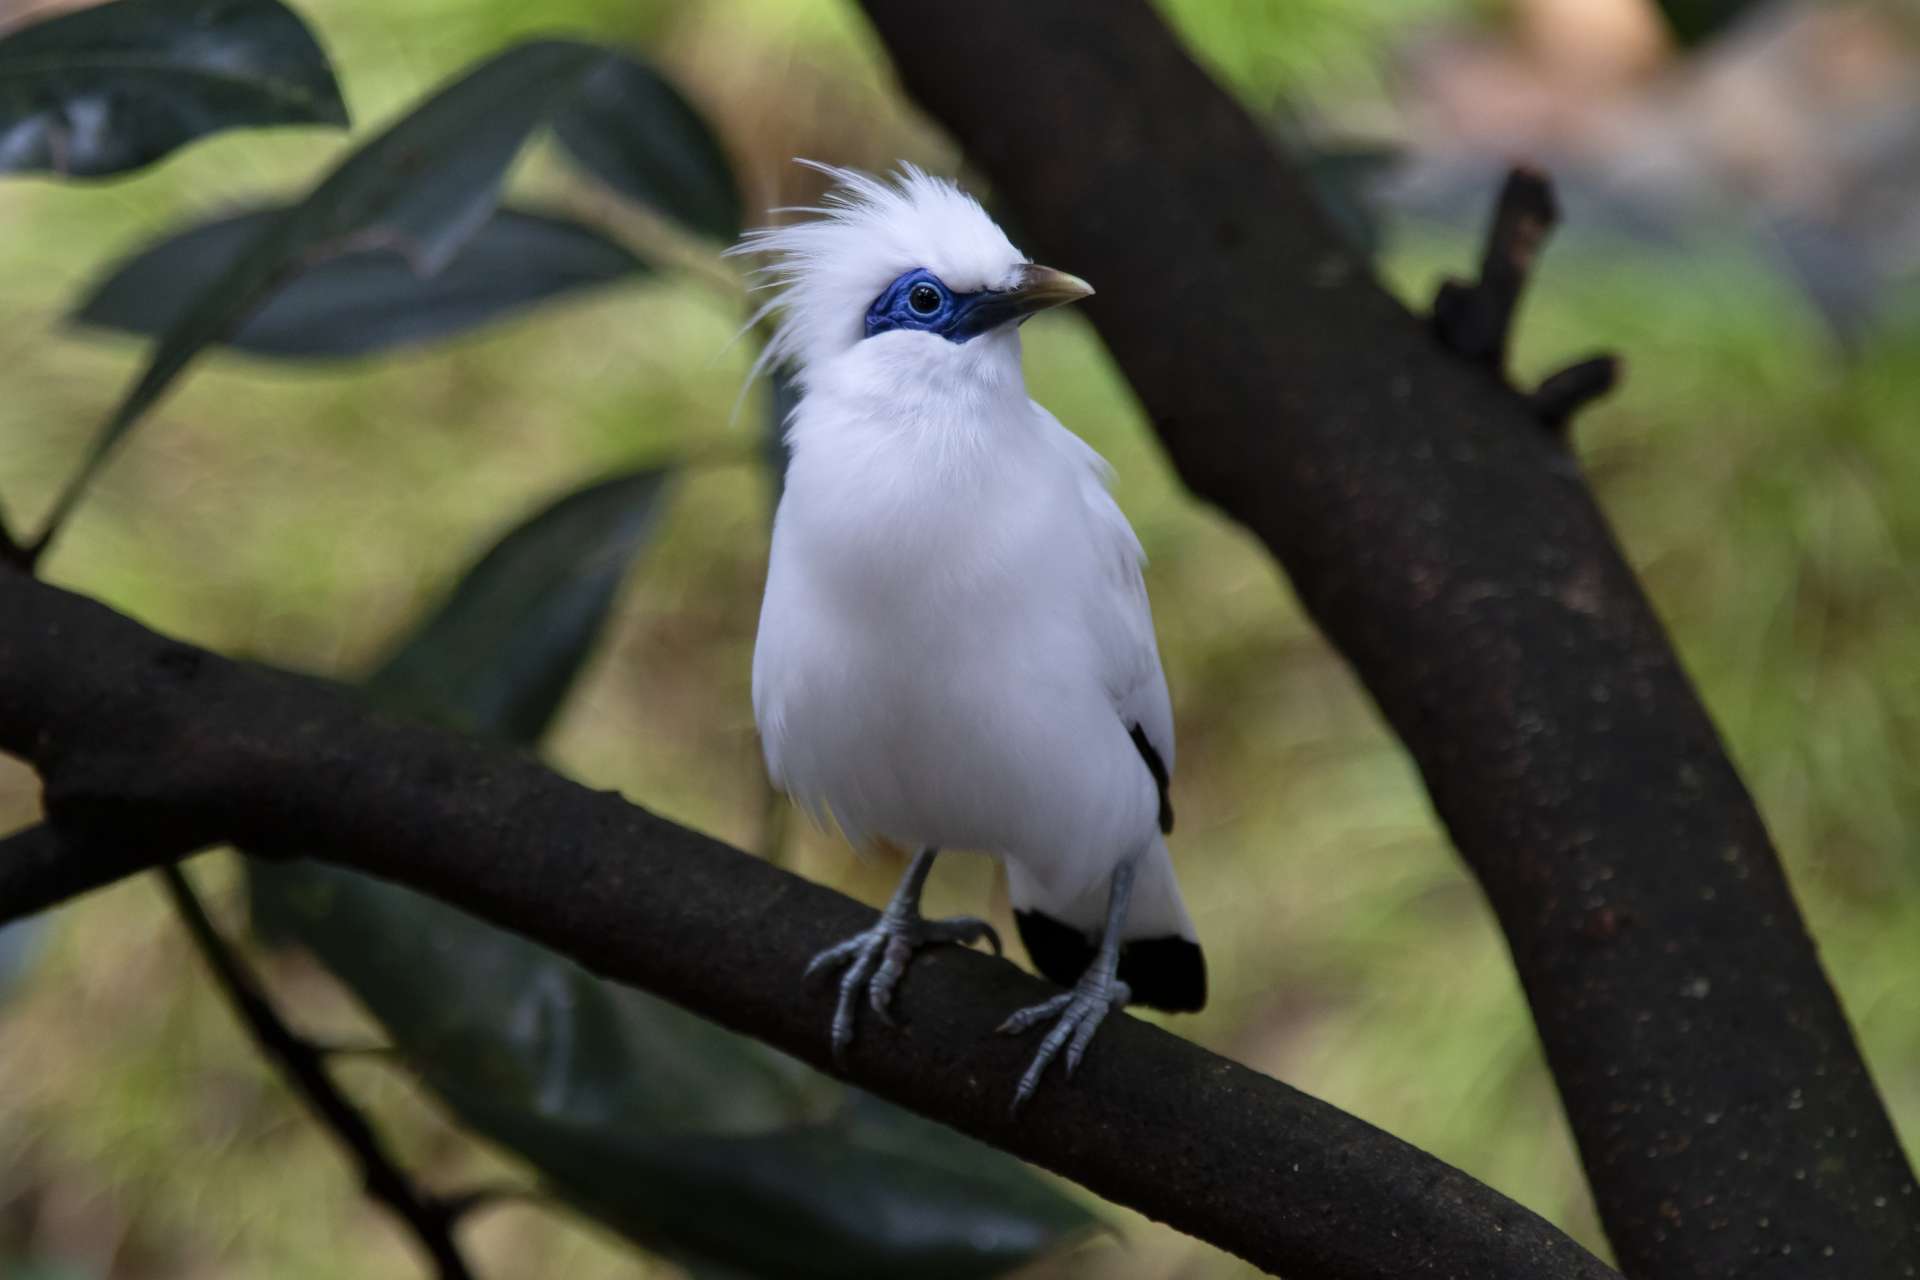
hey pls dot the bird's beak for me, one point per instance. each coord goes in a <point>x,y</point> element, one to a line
<point>1034,289</point>
<point>1041,289</point>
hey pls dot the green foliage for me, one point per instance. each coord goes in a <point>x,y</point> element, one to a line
<point>702,1146</point>
<point>421,188</point>
<point>115,87</point>
<point>629,127</point>
<point>362,301</point>
<point>425,187</point>
<point>500,654</point>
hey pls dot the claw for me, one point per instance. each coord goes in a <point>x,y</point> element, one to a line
<point>877,958</point>
<point>880,990</point>
<point>843,1012</point>
<point>837,952</point>
<point>1080,1013</point>
<point>1033,1015</point>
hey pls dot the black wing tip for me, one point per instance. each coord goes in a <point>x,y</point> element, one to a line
<point>1167,973</point>
<point>1158,768</point>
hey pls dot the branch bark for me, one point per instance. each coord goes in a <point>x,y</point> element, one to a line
<point>1451,550</point>
<point>144,741</point>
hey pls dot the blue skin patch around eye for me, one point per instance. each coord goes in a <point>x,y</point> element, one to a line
<point>954,316</point>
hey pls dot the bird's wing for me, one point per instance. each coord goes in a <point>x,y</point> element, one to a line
<point>1122,619</point>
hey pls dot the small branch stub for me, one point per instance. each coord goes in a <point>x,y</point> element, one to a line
<point>1563,394</point>
<point>1476,320</point>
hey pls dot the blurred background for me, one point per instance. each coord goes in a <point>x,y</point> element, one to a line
<point>1742,223</point>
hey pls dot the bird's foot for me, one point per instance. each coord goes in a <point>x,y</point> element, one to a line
<point>876,958</point>
<point>1077,1013</point>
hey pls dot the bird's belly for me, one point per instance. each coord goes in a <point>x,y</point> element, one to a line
<point>956,741</point>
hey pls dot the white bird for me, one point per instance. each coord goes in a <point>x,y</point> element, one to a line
<point>955,648</point>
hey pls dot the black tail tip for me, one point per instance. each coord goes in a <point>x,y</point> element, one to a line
<point>1165,973</point>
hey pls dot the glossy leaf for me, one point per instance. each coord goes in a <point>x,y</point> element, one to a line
<point>421,189</point>
<point>630,128</point>
<point>500,654</point>
<point>702,1145</point>
<point>366,300</point>
<point>811,1202</point>
<point>504,1028</point>
<point>110,88</point>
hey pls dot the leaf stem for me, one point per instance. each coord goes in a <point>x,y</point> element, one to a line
<point>430,1218</point>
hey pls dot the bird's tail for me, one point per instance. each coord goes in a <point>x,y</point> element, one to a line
<point>1160,956</point>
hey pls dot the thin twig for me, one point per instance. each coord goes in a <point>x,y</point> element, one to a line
<point>11,551</point>
<point>430,1219</point>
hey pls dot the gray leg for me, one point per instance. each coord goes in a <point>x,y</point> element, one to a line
<point>1079,1012</point>
<point>876,957</point>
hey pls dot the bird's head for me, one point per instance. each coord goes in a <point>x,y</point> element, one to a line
<point>909,272</point>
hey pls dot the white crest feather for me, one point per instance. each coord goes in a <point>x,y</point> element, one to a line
<point>867,231</point>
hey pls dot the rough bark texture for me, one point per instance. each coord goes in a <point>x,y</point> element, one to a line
<point>1453,553</point>
<point>149,744</point>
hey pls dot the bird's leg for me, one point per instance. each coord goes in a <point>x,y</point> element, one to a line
<point>876,957</point>
<point>1078,1013</point>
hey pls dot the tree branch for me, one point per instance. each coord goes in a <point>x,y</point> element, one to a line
<point>43,867</point>
<point>429,1219</point>
<point>138,736</point>
<point>1450,549</point>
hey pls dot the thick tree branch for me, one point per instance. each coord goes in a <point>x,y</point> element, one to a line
<point>430,1220</point>
<point>44,866</point>
<point>136,735</point>
<point>1450,549</point>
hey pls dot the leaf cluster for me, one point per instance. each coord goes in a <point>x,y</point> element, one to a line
<point>697,1144</point>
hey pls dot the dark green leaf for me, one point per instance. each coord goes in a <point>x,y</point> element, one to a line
<point>1695,21</point>
<point>811,1202</point>
<point>117,86</point>
<point>499,655</point>
<point>365,300</point>
<point>689,1140</point>
<point>504,1028</point>
<point>421,188</point>
<point>631,129</point>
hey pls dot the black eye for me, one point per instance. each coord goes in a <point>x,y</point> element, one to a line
<point>924,299</point>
